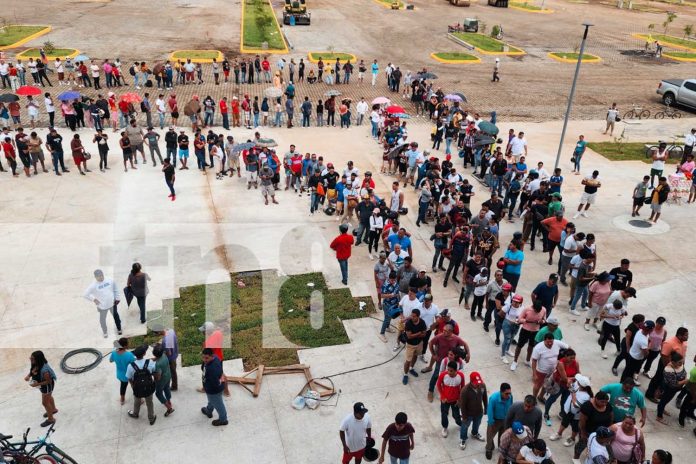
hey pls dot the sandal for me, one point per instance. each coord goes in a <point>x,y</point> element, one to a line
<point>169,411</point>
<point>46,423</point>
<point>54,412</point>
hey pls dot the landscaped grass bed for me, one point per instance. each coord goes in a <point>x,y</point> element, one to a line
<point>455,57</point>
<point>627,151</point>
<point>484,43</point>
<point>572,57</point>
<point>246,312</point>
<point>680,56</point>
<point>55,53</point>
<point>260,25</point>
<point>525,6</point>
<point>14,34</point>
<point>314,57</point>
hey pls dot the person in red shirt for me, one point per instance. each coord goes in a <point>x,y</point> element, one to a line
<point>214,340</point>
<point>342,246</point>
<point>173,108</point>
<point>235,112</point>
<point>266,67</point>
<point>450,385</point>
<point>10,156</point>
<point>224,111</point>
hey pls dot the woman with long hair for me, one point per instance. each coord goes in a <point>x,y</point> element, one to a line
<point>122,358</point>
<point>563,376</point>
<point>137,282</point>
<point>628,445</point>
<point>41,376</point>
<point>580,392</point>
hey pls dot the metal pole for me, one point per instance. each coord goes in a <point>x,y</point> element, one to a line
<point>572,93</point>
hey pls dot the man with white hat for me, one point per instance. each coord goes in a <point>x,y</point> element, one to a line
<point>496,70</point>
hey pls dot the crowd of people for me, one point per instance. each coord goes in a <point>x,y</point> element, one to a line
<point>468,250</point>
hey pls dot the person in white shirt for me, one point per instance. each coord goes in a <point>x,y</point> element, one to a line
<point>535,452</point>
<point>543,173</point>
<point>408,303</point>
<point>350,169</point>
<point>60,70</point>
<point>106,296</point>
<point>598,446</point>
<point>545,359</point>
<point>361,108</point>
<point>354,431</point>
<point>689,144</point>
<point>161,110</point>
<point>95,75</point>
<point>149,365</point>
<point>5,74</point>
<point>589,195</point>
<point>429,312</point>
<point>612,116</point>
<point>659,156</point>
<point>50,109</point>
<point>374,120</point>
<point>518,146</point>
<point>397,256</point>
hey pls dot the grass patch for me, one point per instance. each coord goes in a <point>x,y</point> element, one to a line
<point>670,39</point>
<point>196,54</point>
<point>56,53</point>
<point>247,317</point>
<point>331,56</point>
<point>525,6</point>
<point>456,56</point>
<point>683,55</point>
<point>627,151</point>
<point>12,34</point>
<point>485,43</point>
<point>389,3</point>
<point>260,25</point>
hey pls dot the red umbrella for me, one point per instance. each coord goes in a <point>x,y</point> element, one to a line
<point>395,109</point>
<point>131,97</point>
<point>28,90</point>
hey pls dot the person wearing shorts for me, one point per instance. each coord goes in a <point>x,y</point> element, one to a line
<point>252,167</point>
<point>183,142</point>
<point>414,331</point>
<point>41,376</point>
<point>36,152</point>
<point>530,319</point>
<point>266,175</point>
<point>354,431</point>
<point>659,196</point>
<point>127,149</point>
<point>589,195</point>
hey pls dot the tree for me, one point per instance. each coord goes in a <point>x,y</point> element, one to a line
<point>688,30</point>
<point>651,26</point>
<point>671,16</point>
<point>48,47</point>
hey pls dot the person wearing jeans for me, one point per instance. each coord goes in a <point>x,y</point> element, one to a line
<point>472,403</point>
<point>675,377</point>
<point>496,411</point>
<point>213,379</point>
<point>342,246</point>
<point>163,391</point>
<point>510,325</point>
<point>137,283</point>
<point>105,295</point>
<point>450,385</point>
<point>390,302</point>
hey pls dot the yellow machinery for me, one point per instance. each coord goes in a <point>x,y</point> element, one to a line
<point>295,13</point>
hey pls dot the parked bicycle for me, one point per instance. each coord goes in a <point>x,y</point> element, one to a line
<point>637,112</point>
<point>669,112</point>
<point>34,451</point>
<point>673,150</point>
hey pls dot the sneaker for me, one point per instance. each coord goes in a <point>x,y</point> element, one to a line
<point>413,372</point>
<point>574,312</point>
<point>207,413</point>
<point>576,215</point>
<point>587,327</point>
<point>513,366</point>
<point>497,343</point>
<point>396,347</point>
<point>404,380</point>
<point>614,371</point>
<point>422,358</point>
<point>504,359</point>
<point>444,433</point>
<point>636,382</point>
<point>584,214</point>
<point>605,356</point>
<point>426,369</point>
<point>479,437</point>
<point>528,364</point>
<point>554,437</point>
<point>547,421</point>
<point>462,445</point>
<point>218,423</point>
<point>382,337</point>
<point>647,374</point>
<point>569,442</point>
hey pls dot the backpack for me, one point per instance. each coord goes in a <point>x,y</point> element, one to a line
<point>143,108</point>
<point>143,382</point>
<point>131,70</point>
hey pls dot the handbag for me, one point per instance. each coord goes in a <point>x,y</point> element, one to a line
<point>86,155</point>
<point>636,452</point>
<point>572,159</point>
<point>550,386</point>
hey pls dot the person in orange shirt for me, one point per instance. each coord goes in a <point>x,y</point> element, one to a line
<point>214,339</point>
<point>677,344</point>
<point>554,226</point>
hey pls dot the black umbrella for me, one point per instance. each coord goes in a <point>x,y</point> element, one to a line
<point>460,95</point>
<point>481,140</point>
<point>8,98</point>
<point>242,146</point>
<point>426,75</point>
<point>396,151</point>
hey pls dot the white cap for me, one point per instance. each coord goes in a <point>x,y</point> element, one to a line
<point>208,326</point>
<point>582,380</point>
<point>497,59</point>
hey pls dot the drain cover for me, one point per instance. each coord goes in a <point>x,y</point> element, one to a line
<point>640,223</point>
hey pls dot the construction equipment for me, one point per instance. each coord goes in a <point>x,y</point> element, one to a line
<point>469,25</point>
<point>460,2</point>
<point>295,13</point>
<point>498,3</point>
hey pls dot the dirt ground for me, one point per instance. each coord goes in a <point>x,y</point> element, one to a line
<point>532,87</point>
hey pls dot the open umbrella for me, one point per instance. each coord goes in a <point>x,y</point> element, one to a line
<point>481,140</point>
<point>488,128</point>
<point>8,98</point>
<point>395,109</point>
<point>396,151</point>
<point>28,90</point>
<point>159,66</point>
<point>69,95</point>
<point>273,92</point>
<point>242,146</point>
<point>380,101</point>
<point>131,97</point>
<point>401,115</point>
<point>332,93</point>
<point>460,95</point>
<point>453,97</point>
<point>192,107</point>
<point>81,57</point>
<point>266,143</point>
<point>426,75</point>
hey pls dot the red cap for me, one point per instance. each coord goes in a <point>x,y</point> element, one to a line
<point>475,379</point>
<point>448,157</point>
<point>507,287</point>
<point>518,298</point>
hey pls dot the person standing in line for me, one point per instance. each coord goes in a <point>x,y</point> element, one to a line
<point>415,330</point>
<point>163,390</point>
<point>54,143</point>
<point>658,197</point>
<point>213,386</point>
<point>105,295</point>
<point>638,351</point>
<point>612,118</point>
<point>137,283</point>
<point>675,378</point>
<point>375,71</point>
<point>342,246</point>
<point>361,108</point>
<point>450,385</point>
<point>78,154</point>
<point>499,404</point>
<point>42,376</point>
<point>169,177</point>
<point>355,429</point>
<point>142,378</point>
<point>152,139</point>
<point>400,437</point>
<point>122,358</point>
<point>50,109</point>
<point>677,344</point>
<point>589,195</point>
<point>513,259</point>
<point>639,193</point>
<point>473,401</point>
<point>496,71</point>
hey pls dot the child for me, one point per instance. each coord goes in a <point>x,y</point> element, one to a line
<point>399,436</point>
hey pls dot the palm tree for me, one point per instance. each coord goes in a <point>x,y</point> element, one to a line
<point>671,16</point>
<point>688,30</point>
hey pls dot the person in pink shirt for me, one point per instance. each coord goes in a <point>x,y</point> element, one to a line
<point>108,73</point>
<point>531,319</point>
<point>599,290</point>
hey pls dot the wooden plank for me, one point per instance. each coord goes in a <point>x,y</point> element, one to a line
<point>241,380</point>
<point>259,378</point>
<point>250,372</point>
<point>322,385</point>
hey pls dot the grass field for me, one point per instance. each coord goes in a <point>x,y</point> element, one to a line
<point>456,56</point>
<point>246,312</point>
<point>389,3</point>
<point>196,54</point>
<point>330,56</point>
<point>684,55</point>
<point>628,151</point>
<point>574,56</point>
<point>670,39</point>
<point>261,26</point>
<point>13,34</point>
<point>484,42</point>
<point>526,6</point>
<point>56,53</point>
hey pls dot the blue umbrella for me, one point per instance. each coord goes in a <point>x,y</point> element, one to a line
<point>401,116</point>
<point>81,57</point>
<point>243,146</point>
<point>69,95</point>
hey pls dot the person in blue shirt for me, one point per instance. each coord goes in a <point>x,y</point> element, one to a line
<point>513,258</point>
<point>498,405</point>
<point>547,293</point>
<point>555,181</point>
<point>375,71</point>
<point>390,302</point>
<point>122,358</point>
<point>340,186</point>
<point>520,167</point>
<point>402,239</point>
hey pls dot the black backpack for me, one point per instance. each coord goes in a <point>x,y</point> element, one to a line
<point>131,70</point>
<point>143,107</point>
<point>143,381</point>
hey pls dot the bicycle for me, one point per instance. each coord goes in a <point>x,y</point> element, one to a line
<point>18,453</point>
<point>637,112</point>
<point>669,112</point>
<point>673,150</point>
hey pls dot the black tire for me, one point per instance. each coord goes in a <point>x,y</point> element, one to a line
<point>668,99</point>
<point>676,115</point>
<point>60,456</point>
<point>660,115</point>
<point>628,115</point>
<point>645,114</point>
<point>676,153</point>
<point>654,147</point>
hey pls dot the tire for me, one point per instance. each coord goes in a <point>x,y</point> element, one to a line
<point>45,459</point>
<point>678,153</point>
<point>676,115</point>
<point>668,99</point>
<point>628,115</point>
<point>654,147</point>
<point>645,114</point>
<point>660,115</point>
<point>19,459</point>
<point>60,457</point>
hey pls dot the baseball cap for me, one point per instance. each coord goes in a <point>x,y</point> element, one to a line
<point>172,127</point>
<point>507,287</point>
<point>382,253</point>
<point>444,312</point>
<point>518,298</point>
<point>518,429</point>
<point>428,296</point>
<point>359,407</point>
<point>475,379</point>
<point>552,320</point>
<point>582,380</point>
<point>631,291</point>
<point>207,326</point>
<point>422,270</point>
<point>649,324</point>
<point>604,432</point>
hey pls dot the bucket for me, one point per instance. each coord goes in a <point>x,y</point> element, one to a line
<point>371,454</point>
